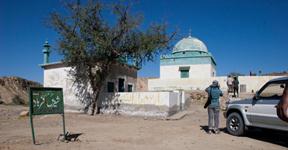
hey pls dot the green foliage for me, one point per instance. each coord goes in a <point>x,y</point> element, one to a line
<point>91,40</point>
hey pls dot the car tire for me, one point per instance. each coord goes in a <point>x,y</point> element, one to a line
<point>235,124</point>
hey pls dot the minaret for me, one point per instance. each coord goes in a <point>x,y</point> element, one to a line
<point>46,52</point>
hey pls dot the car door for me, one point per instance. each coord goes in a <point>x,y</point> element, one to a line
<point>263,111</point>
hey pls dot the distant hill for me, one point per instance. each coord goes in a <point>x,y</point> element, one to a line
<point>14,90</point>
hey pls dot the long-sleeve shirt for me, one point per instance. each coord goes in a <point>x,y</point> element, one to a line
<point>215,95</point>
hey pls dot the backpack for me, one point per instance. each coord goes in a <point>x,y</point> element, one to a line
<point>215,94</point>
<point>208,102</point>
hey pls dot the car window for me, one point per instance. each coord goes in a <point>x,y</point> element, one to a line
<point>273,90</point>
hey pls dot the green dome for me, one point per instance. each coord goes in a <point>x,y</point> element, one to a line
<point>190,44</point>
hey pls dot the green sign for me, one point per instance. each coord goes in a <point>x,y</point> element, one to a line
<point>43,101</point>
<point>46,101</point>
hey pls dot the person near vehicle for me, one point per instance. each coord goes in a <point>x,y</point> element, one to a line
<point>235,87</point>
<point>230,84</point>
<point>214,94</point>
<point>282,107</point>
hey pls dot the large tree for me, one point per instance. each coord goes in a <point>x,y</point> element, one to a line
<point>96,35</point>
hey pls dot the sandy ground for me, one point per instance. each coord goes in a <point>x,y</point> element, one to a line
<point>111,132</point>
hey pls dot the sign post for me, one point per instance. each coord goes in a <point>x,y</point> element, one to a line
<point>43,101</point>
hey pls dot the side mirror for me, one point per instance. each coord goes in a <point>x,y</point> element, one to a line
<point>256,96</point>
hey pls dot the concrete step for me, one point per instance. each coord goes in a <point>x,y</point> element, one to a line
<point>178,115</point>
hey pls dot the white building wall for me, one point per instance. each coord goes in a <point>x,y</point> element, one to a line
<point>213,71</point>
<point>58,77</point>
<point>160,104</point>
<point>196,71</point>
<point>251,83</point>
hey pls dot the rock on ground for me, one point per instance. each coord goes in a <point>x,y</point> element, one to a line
<point>24,113</point>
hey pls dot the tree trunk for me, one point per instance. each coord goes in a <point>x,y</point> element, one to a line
<point>95,105</point>
<point>98,87</point>
<point>93,108</point>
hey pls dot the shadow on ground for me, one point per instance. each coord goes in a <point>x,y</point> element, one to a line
<point>205,129</point>
<point>69,137</point>
<point>266,135</point>
<point>271,136</point>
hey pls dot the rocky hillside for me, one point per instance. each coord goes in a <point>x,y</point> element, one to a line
<point>200,98</point>
<point>14,90</point>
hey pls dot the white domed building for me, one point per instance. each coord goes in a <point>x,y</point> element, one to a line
<point>192,67</point>
<point>190,59</point>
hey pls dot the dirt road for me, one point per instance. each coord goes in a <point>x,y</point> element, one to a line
<point>111,132</point>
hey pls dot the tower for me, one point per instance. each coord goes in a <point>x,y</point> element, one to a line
<point>46,52</point>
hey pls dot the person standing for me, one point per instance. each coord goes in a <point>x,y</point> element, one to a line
<point>282,107</point>
<point>230,84</point>
<point>214,94</point>
<point>235,87</point>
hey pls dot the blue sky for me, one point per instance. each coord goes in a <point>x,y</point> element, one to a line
<point>242,35</point>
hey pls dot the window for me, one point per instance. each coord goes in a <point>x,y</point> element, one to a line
<point>130,87</point>
<point>121,87</point>
<point>110,87</point>
<point>184,73</point>
<point>273,90</point>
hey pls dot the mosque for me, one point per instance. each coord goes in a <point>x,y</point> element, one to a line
<point>192,67</point>
<point>190,59</point>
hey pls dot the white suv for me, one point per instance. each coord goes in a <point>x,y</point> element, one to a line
<point>260,111</point>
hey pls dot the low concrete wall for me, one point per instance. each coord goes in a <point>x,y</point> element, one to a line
<point>247,83</point>
<point>154,104</point>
